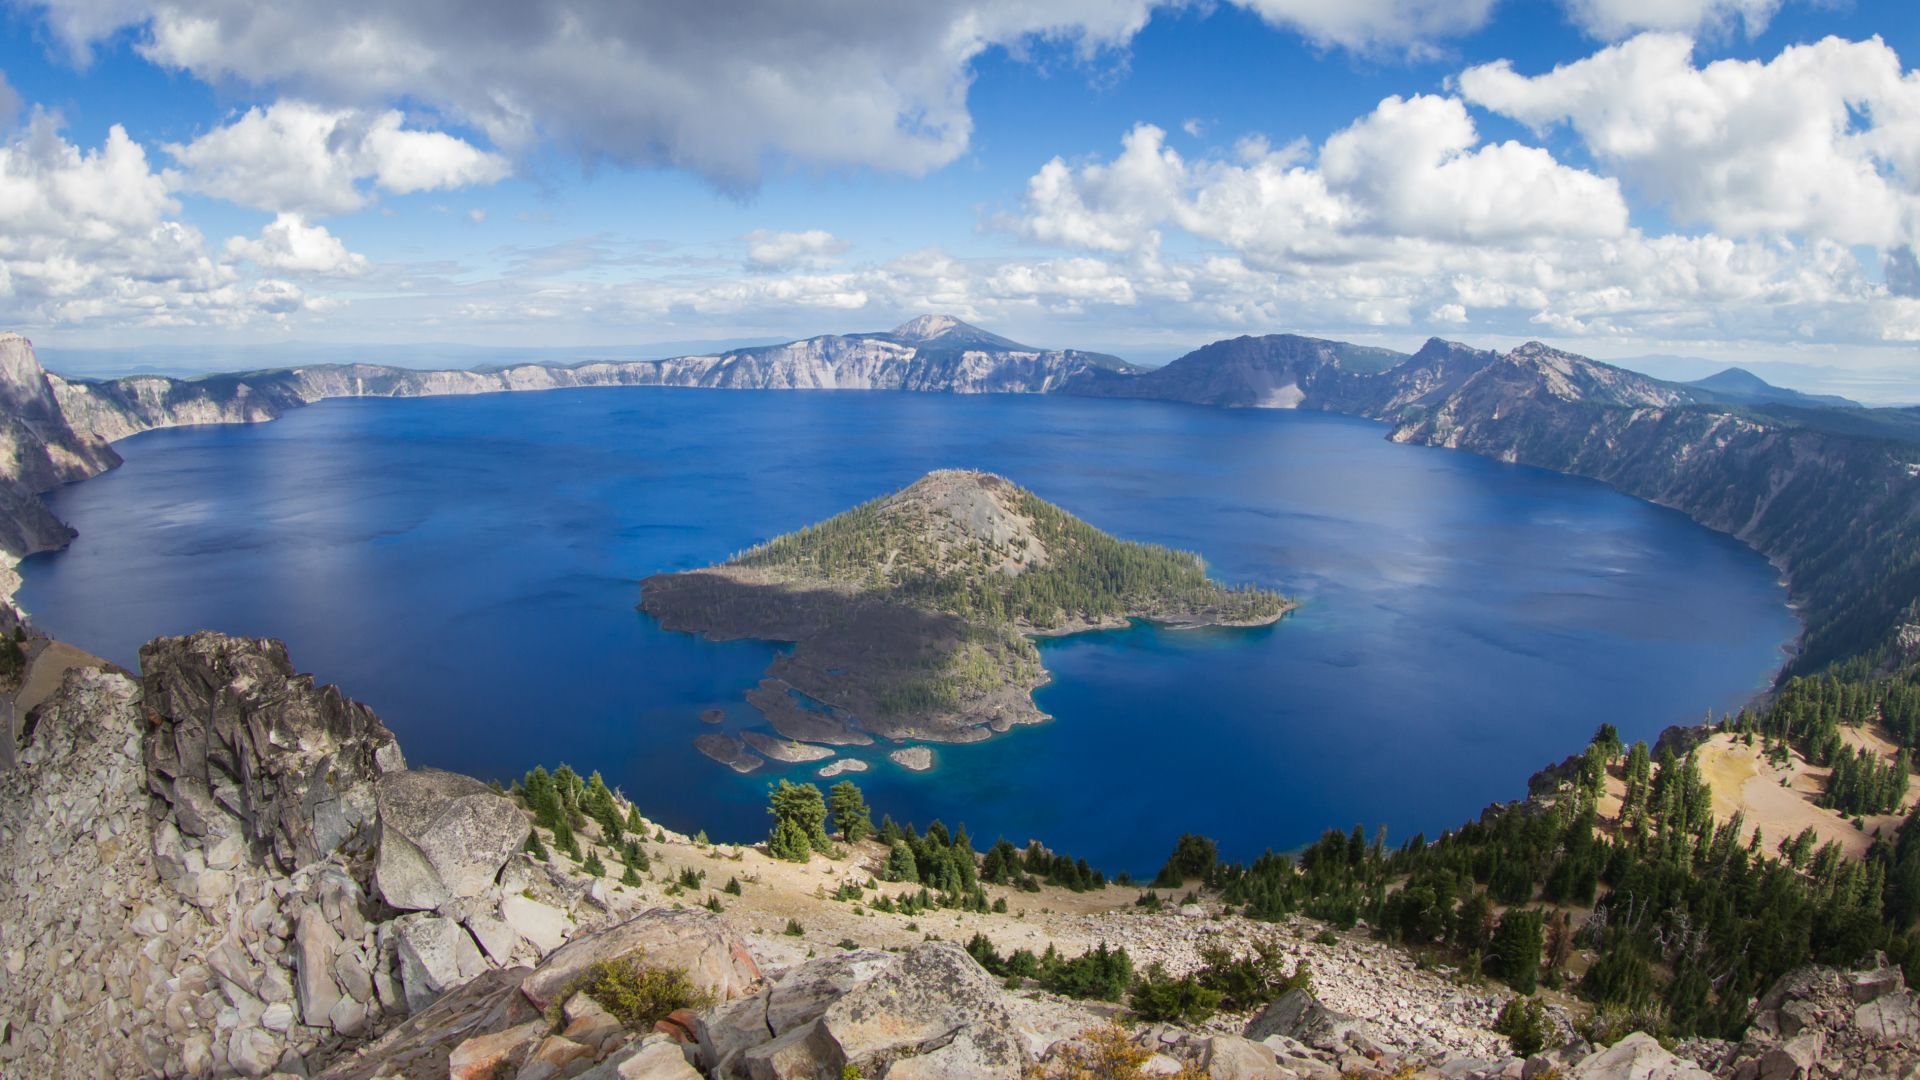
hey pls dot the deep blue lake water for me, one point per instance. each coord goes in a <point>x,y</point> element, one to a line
<point>468,567</point>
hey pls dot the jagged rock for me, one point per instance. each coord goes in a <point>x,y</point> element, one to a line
<point>590,1024</point>
<point>436,955</point>
<point>253,1052</point>
<point>497,939</point>
<point>933,1013</point>
<point>802,994</point>
<point>715,958</point>
<point>1639,1056</point>
<point>554,1053</point>
<point>498,1053</point>
<point>1889,1018</point>
<point>443,837</point>
<point>1865,986</point>
<point>654,1057</point>
<point>314,945</point>
<point>241,743</point>
<point>544,926</point>
<point>420,1047</point>
<point>1231,1058</point>
<point>1297,1016</point>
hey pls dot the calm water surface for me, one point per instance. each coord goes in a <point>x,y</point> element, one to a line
<point>468,567</point>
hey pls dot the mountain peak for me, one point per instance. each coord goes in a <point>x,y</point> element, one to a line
<point>948,331</point>
<point>928,327</point>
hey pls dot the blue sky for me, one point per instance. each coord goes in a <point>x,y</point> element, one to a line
<point>1737,180</point>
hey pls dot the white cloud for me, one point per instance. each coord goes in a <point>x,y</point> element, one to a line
<point>300,157</point>
<point>1614,19</point>
<point>770,250</point>
<point>1374,24</point>
<point>718,90</point>
<point>1823,140</point>
<point>289,244</point>
<point>90,236</point>
<point>1412,168</point>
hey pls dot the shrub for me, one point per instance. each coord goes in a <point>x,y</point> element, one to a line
<point>639,996</point>
<point>1524,1022</point>
<point>1159,996</point>
<point>1102,1053</point>
<point>1244,982</point>
<point>794,929</point>
<point>1101,973</point>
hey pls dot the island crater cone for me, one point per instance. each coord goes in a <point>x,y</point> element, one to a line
<point>912,614</point>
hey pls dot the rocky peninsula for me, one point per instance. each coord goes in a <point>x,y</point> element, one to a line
<point>912,615</point>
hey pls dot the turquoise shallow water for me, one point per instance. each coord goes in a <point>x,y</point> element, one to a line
<point>468,567</point>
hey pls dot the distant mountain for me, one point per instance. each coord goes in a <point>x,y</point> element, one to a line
<point>1742,387</point>
<point>932,353</point>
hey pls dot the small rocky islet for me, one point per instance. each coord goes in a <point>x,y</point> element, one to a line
<point>912,615</point>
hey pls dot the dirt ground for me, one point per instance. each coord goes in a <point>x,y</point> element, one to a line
<point>1743,780</point>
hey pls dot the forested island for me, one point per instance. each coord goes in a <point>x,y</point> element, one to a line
<point>911,614</point>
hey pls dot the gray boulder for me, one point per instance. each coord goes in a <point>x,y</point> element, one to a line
<point>1889,1018</point>
<point>1639,1056</point>
<point>713,954</point>
<point>1296,1015</point>
<point>443,837</point>
<point>436,955</point>
<point>934,1013</point>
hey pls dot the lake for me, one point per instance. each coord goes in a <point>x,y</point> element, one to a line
<point>469,566</point>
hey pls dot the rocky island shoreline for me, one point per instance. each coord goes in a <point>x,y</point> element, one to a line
<point>911,615</point>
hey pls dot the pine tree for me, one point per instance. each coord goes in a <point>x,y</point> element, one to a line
<point>849,809</point>
<point>534,847</point>
<point>630,877</point>
<point>798,810</point>
<point>593,866</point>
<point>901,865</point>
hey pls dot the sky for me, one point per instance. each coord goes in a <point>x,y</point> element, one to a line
<point>1685,183</point>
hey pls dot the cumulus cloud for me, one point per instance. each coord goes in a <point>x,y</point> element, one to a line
<point>771,250</point>
<point>1412,169</point>
<point>713,89</point>
<point>299,157</point>
<point>91,235</point>
<point>1375,24</point>
<point>1614,19</point>
<point>289,244</point>
<point>1823,140</point>
<point>719,90</point>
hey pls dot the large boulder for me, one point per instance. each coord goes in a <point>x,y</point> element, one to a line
<point>443,837</point>
<point>436,955</point>
<point>724,1033</point>
<point>1296,1015</point>
<point>713,955</point>
<point>238,743</point>
<point>935,1013</point>
<point>1639,1056</point>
